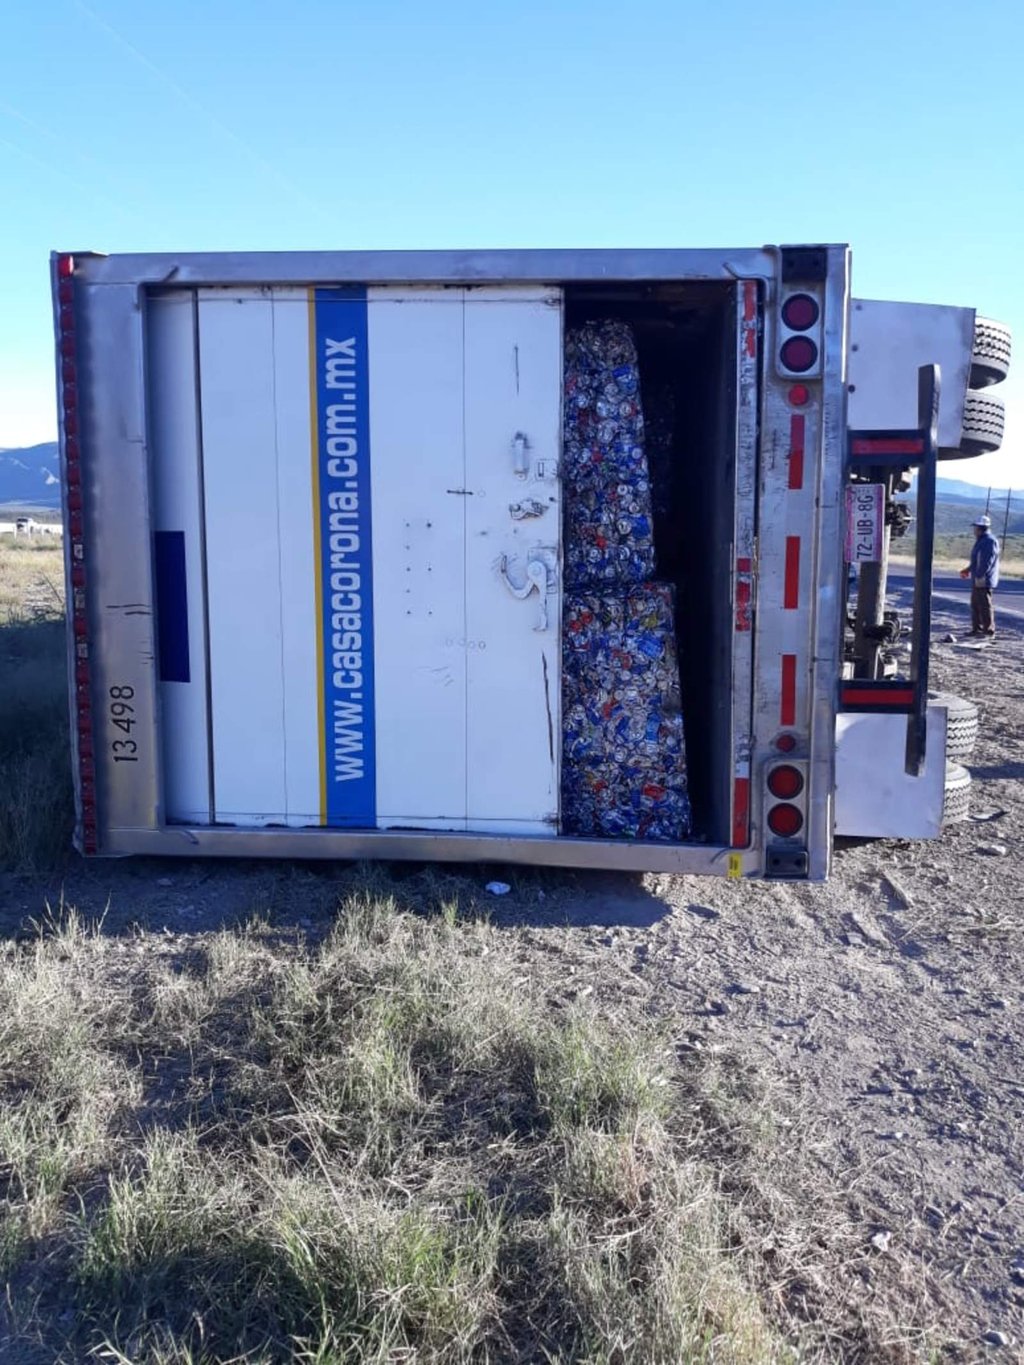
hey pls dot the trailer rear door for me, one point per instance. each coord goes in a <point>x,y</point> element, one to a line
<point>358,555</point>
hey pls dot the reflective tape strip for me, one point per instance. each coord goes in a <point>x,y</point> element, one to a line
<point>791,583</point>
<point>787,691</point>
<point>744,594</point>
<point>741,812</point>
<point>797,433</point>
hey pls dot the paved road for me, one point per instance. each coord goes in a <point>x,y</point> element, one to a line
<point>948,588</point>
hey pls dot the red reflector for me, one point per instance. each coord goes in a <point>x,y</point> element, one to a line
<point>67,346</point>
<point>75,523</point>
<point>85,720</point>
<point>85,746</point>
<point>65,292</point>
<point>799,312</point>
<point>786,743</point>
<point>785,821</point>
<point>70,419</point>
<point>785,782</point>
<point>74,472</point>
<point>884,445</point>
<point>78,575</point>
<point>82,672</point>
<point>799,354</point>
<point>81,628</point>
<point>75,498</point>
<point>894,695</point>
<point>799,394</point>
<point>65,266</point>
<point>69,395</point>
<point>66,317</point>
<point>71,448</point>
<point>68,372</point>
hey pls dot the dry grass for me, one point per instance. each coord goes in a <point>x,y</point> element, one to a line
<point>386,1146</point>
<point>35,766</point>
<point>951,553</point>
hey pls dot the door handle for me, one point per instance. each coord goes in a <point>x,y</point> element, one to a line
<point>520,455</point>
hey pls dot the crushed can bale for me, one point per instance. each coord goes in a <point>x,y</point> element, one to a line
<point>609,533</point>
<point>624,766</point>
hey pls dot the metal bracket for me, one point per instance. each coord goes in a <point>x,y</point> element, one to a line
<point>787,862</point>
<point>879,455</point>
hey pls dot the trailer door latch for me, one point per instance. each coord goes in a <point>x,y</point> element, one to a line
<point>537,577</point>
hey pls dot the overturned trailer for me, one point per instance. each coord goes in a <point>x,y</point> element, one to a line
<point>532,556</point>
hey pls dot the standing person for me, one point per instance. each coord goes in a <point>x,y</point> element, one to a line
<point>983,571</point>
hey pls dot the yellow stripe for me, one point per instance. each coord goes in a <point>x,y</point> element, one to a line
<point>314,430</point>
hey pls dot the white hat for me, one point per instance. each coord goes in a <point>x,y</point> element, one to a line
<point>982,521</point>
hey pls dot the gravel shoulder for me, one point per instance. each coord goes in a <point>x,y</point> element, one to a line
<point>875,1021</point>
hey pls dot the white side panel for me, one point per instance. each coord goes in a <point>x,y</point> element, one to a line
<point>299,623</point>
<point>236,348</point>
<point>419,516</point>
<point>888,344</point>
<point>513,370</point>
<point>177,507</point>
<point>874,796</point>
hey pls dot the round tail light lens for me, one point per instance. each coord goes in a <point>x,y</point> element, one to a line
<point>800,311</point>
<point>785,821</point>
<point>799,354</point>
<point>785,782</point>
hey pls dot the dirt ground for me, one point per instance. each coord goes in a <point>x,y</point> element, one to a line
<point>883,1010</point>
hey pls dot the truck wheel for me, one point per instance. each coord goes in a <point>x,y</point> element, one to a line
<point>984,416</point>
<point>956,801</point>
<point>990,362</point>
<point>961,725</point>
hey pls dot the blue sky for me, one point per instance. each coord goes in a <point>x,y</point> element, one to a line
<point>211,124</point>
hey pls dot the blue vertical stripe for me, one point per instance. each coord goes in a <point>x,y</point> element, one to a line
<point>348,752</point>
<point>171,606</point>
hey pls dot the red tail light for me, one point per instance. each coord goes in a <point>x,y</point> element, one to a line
<point>785,821</point>
<point>800,311</point>
<point>785,782</point>
<point>799,354</point>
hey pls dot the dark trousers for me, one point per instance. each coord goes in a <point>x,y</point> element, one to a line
<point>981,611</point>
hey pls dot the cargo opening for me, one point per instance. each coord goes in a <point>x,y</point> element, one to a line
<point>686,349</point>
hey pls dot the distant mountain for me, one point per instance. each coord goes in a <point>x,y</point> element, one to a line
<point>958,503</point>
<point>29,476</point>
<point>957,488</point>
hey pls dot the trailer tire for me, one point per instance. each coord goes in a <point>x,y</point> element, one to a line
<point>961,725</point>
<point>956,800</point>
<point>990,362</point>
<point>984,419</point>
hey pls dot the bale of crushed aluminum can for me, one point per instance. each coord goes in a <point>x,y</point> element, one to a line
<point>623,766</point>
<point>609,535</point>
